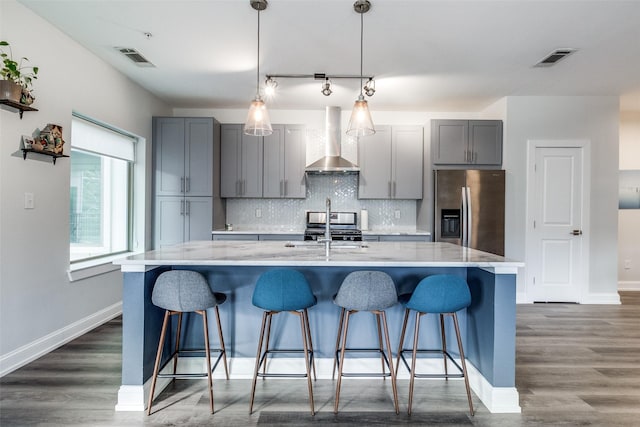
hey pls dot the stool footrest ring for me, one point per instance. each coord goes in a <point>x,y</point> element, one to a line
<point>434,351</point>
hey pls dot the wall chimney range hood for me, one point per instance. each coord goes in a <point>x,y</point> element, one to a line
<point>332,162</point>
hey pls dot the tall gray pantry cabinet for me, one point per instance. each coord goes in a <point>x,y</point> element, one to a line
<point>184,165</point>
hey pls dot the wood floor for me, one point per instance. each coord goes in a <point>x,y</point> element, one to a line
<point>577,365</point>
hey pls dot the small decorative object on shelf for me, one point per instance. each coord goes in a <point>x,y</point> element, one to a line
<point>49,142</point>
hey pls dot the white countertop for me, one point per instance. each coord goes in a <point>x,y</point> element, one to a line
<point>277,253</point>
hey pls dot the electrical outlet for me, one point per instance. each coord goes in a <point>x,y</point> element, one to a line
<point>396,214</point>
<point>627,264</point>
<point>258,213</point>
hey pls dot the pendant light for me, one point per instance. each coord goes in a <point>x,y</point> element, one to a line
<point>258,123</point>
<point>360,123</point>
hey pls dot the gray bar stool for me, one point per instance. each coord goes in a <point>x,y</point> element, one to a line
<point>276,291</point>
<point>371,291</point>
<point>443,295</point>
<point>182,291</point>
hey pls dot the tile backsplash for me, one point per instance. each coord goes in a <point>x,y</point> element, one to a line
<point>289,214</point>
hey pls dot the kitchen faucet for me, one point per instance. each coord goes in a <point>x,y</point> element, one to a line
<point>327,229</point>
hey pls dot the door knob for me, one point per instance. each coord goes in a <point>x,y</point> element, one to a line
<point>577,232</point>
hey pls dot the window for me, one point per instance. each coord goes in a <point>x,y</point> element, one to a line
<point>100,208</point>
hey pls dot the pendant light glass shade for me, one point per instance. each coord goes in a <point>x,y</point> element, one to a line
<point>258,123</point>
<point>360,123</point>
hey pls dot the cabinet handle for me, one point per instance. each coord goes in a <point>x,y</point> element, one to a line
<point>181,207</point>
<point>237,187</point>
<point>466,153</point>
<point>188,211</point>
<point>390,195</point>
<point>394,189</point>
<point>284,187</point>
<point>281,188</point>
<point>187,185</point>
<point>182,184</point>
<point>242,187</point>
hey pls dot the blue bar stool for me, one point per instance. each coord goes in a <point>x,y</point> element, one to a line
<point>182,291</point>
<point>277,291</point>
<point>445,295</point>
<point>372,291</point>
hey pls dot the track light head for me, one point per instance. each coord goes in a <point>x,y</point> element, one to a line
<point>326,87</point>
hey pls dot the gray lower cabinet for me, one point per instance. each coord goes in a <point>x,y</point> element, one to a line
<point>241,163</point>
<point>391,163</point>
<point>243,236</point>
<point>396,238</point>
<point>183,156</point>
<point>284,162</point>
<point>234,236</point>
<point>181,219</point>
<point>466,142</point>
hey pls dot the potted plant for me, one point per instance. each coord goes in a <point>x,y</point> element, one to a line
<point>16,79</point>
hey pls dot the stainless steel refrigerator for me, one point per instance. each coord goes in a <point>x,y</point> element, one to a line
<point>469,208</point>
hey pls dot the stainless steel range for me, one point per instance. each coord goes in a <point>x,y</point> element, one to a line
<point>343,226</point>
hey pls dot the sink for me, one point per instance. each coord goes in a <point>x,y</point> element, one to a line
<point>337,244</point>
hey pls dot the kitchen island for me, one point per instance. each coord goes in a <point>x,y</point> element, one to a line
<point>232,267</point>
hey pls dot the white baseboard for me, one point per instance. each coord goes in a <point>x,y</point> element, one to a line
<point>601,298</point>
<point>27,353</point>
<point>496,399</point>
<point>629,286</point>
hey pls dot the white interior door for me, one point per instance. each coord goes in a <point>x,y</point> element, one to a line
<point>556,250</point>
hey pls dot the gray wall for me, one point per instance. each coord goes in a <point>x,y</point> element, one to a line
<point>39,306</point>
<point>554,117</point>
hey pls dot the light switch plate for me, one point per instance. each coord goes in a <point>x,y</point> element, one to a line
<point>29,201</point>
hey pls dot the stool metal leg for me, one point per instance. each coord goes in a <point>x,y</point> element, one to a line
<point>377,314</point>
<point>444,347</point>
<point>313,360</point>
<point>156,367</point>
<point>175,355</point>
<point>390,358</point>
<point>266,345</point>
<point>462,359</point>
<point>335,353</point>
<point>404,330</point>
<point>341,364</point>
<point>207,352</point>
<point>413,359</point>
<point>307,356</point>
<point>255,372</point>
<point>224,349</point>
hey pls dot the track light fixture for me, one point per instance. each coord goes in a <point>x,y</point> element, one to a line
<point>270,85</point>
<point>326,87</point>
<point>370,87</point>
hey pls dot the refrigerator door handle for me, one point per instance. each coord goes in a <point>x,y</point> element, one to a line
<point>469,217</point>
<point>464,217</point>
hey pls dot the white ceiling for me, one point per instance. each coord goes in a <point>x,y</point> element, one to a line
<point>427,55</point>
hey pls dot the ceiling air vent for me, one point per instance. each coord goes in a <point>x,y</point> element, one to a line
<point>135,56</point>
<point>554,57</point>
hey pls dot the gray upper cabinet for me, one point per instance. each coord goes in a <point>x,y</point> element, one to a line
<point>241,163</point>
<point>391,163</point>
<point>183,150</point>
<point>284,162</point>
<point>466,142</point>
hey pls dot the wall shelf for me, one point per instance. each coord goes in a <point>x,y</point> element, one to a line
<point>46,153</point>
<point>18,106</point>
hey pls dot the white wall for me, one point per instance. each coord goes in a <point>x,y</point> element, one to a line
<point>39,306</point>
<point>595,119</point>
<point>629,219</point>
